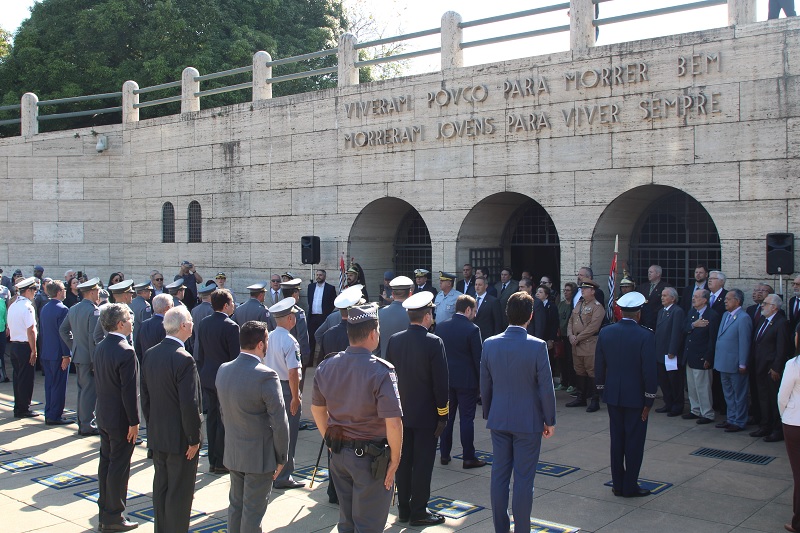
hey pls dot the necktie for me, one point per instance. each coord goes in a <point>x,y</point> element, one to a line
<point>761,330</point>
<point>712,300</point>
<point>796,306</point>
<point>727,321</point>
<point>480,298</point>
<point>652,287</point>
<point>504,287</point>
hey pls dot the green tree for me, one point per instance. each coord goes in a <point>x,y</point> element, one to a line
<point>80,47</point>
<point>5,43</point>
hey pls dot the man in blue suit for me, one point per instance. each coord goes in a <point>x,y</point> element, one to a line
<point>55,356</point>
<point>462,344</point>
<point>519,405</point>
<point>627,376</point>
<point>730,360</point>
<point>152,331</point>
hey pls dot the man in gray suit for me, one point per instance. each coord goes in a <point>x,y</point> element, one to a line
<point>275,295</point>
<point>142,310</point>
<point>256,429</point>
<point>252,309</point>
<point>394,318</point>
<point>730,360</point>
<point>77,332</point>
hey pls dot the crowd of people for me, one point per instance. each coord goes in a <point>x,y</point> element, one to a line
<point>441,353</point>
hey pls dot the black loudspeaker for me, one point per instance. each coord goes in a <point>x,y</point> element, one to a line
<point>780,253</point>
<point>309,246</point>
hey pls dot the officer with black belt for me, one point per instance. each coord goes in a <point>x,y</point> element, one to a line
<point>356,407</point>
<point>627,376</point>
<point>422,374</point>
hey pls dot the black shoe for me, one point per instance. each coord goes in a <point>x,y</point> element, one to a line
<point>92,432</point>
<point>760,433</point>
<point>445,460</point>
<point>334,501</point>
<point>431,519</point>
<point>221,470</point>
<point>704,420</point>
<point>673,414</point>
<point>616,492</point>
<point>774,437</point>
<point>473,463</point>
<point>689,416</point>
<point>733,429</point>
<point>577,402</point>
<point>26,414</point>
<point>59,422</point>
<point>639,493</point>
<point>4,380</point>
<point>722,425</point>
<point>302,426</point>
<point>290,485</point>
<point>594,406</point>
<point>125,525</point>
<point>665,409</point>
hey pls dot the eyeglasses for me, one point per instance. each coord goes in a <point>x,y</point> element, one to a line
<point>275,280</point>
<point>158,279</point>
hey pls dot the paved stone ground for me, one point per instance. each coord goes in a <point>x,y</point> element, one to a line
<point>707,495</point>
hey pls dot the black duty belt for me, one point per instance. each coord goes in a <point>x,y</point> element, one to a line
<point>361,444</point>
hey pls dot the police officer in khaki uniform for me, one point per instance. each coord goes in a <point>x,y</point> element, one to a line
<point>356,406</point>
<point>582,330</point>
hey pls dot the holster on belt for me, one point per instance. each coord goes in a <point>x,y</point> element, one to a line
<point>333,438</point>
<point>380,459</point>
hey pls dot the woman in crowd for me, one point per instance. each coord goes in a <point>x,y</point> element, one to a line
<point>565,362</point>
<point>116,277</point>
<point>789,407</point>
<point>73,294</point>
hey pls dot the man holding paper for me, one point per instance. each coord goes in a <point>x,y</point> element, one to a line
<point>669,350</point>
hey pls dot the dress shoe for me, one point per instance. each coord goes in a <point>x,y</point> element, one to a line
<point>431,519</point>
<point>333,500</point>
<point>444,460</point>
<point>689,416</point>
<point>26,414</point>
<point>616,492</point>
<point>125,525</point>
<point>473,463</point>
<point>722,425</point>
<point>773,437</point>
<point>59,422</point>
<point>302,426</point>
<point>639,493</point>
<point>401,517</point>
<point>92,432</point>
<point>733,429</point>
<point>704,420</point>
<point>665,409</point>
<point>577,402</point>
<point>221,470</point>
<point>290,485</point>
<point>760,433</point>
<point>673,414</point>
<point>788,527</point>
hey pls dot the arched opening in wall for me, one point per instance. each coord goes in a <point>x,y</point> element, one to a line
<point>389,234</point>
<point>195,222</point>
<point>510,229</point>
<point>167,222</point>
<point>657,225</point>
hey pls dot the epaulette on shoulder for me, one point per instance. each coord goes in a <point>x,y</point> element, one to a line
<point>645,328</point>
<point>388,365</point>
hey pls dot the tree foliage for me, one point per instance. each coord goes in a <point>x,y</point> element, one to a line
<point>5,43</point>
<point>81,47</point>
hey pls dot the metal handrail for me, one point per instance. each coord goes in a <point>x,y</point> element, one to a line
<point>516,15</point>
<point>661,11</point>
<point>11,107</point>
<point>300,75</point>
<point>10,121</point>
<point>404,37</point>
<point>229,88</point>
<point>158,87</point>
<point>303,57</point>
<point>151,103</point>
<point>398,57</point>
<point>55,116</point>
<point>72,99</point>
<point>515,36</point>
<point>223,73</point>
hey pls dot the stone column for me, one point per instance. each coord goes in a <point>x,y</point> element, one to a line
<point>189,102</point>
<point>129,100</point>
<point>741,12</point>
<point>262,73</point>
<point>452,37</point>
<point>581,29</point>
<point>348,73</point>
<point>29,115</point>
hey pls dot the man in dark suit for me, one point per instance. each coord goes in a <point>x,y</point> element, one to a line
<point>218,343</point>
<point>538,323</point>
<point>519,405</point>
<point>257,430</point>
<point>152,330</point>
<point>116,370</point>
<point>505,288</point>
<point>730,360</point>
<point>483,272</point>
<point>422,282</point>
<point>701,328</point>
<point>140,305</point>
<point>488,316</point>
<point>421,366</point>
<point>652,294</point>
<point>462,344</point>
<point>467,285</point>
<point>700,282</point>
<point>171,405</point>
<point>625,373</point>
<point>55,356</point>
<point>794,307</point>
<point>771,347</point>
<point>669,344</point>
<point>320,304</point>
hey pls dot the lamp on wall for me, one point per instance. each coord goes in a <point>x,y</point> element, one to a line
<point>102,143</point>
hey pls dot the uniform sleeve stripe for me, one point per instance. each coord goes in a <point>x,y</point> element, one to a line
<point>443,411</point>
